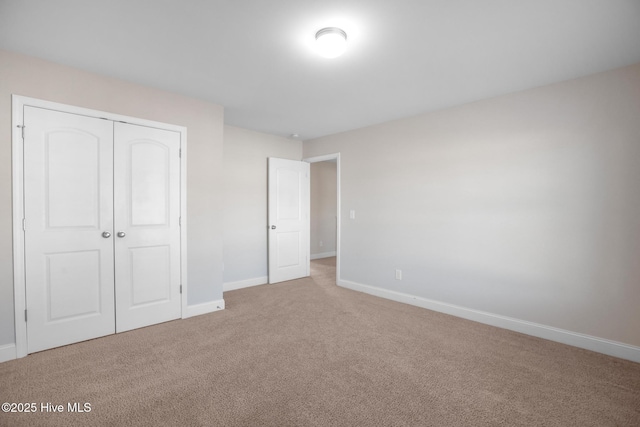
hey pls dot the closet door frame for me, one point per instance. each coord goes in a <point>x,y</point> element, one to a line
<point>17,119</point>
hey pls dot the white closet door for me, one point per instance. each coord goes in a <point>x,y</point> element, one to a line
<point>147,230</point>
<point>68,203</point>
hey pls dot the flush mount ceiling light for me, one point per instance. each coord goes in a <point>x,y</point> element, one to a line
<point>331,42</point>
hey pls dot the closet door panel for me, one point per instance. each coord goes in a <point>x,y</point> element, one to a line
<point>68,202</point>
<point>147,210</point>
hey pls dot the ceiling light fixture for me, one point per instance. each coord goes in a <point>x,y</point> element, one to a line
<point>331,42</point>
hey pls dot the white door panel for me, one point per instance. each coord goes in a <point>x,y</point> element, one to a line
<point>73,284</point>
<point>288,244</point>
<point>288,219</point>
<point>151,278</point>
<point>147,230</point>
<point>68,203</point>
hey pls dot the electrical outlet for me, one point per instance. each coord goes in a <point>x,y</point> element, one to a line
<point>321,243</point>
<point>352,214</point>
<point>398,274</point>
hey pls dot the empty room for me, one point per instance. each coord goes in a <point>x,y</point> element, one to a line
<point>305,213</point>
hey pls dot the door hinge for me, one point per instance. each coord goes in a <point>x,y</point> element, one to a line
<point>25,315</point>
<point>180,221</point>
<point>24,224</point>
<point>22,130</point>
<point>180,288</point>
<point>180,152</point>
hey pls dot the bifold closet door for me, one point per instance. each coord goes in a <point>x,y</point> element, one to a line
<point>147,228</point>
<point>68,205</point>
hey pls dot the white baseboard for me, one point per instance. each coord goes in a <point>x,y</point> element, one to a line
<point>588,342</point>
<point>323,255</point>
<point>7,352</point>
<point>207,307</point>
<point>232,286</point>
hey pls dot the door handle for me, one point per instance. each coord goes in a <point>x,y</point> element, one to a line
<point>106,234</point>
<point>273,227</point>
<point>121,234</point>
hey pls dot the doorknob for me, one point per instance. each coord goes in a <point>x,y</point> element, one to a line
<point>121,234</point>
<point>273,227</point>
<point>106,234</point>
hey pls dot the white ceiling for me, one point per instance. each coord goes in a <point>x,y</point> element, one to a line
<point>405,57</point>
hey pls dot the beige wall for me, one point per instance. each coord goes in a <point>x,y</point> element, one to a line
<point>36,78</point>
<point>245,199</point>
<point>525,206</point>
<point>324,200</point>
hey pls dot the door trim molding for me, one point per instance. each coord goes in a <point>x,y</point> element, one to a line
<point>324,158</point>
<point>18,103</point>
<point>19,298</point>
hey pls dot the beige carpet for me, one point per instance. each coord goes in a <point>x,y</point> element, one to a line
<point>308,353</point>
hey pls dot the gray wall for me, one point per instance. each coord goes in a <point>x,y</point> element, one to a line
<point>525,205</point>
<point>245,199</point>
<point>36,78</point>
<point>323,207</point>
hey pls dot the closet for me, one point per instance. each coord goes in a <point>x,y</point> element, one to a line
<point>102,239</point>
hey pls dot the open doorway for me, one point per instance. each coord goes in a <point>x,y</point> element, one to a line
<point>324,239</point>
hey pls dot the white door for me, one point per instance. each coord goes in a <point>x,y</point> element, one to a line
<point>68,205</point>
<point>147,229</point>
<point>288,219</point>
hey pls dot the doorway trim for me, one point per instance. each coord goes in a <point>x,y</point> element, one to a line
<point>324,158</point>
<point>18,103</point>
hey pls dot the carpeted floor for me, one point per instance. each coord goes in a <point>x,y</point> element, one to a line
<point>309,353</point>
